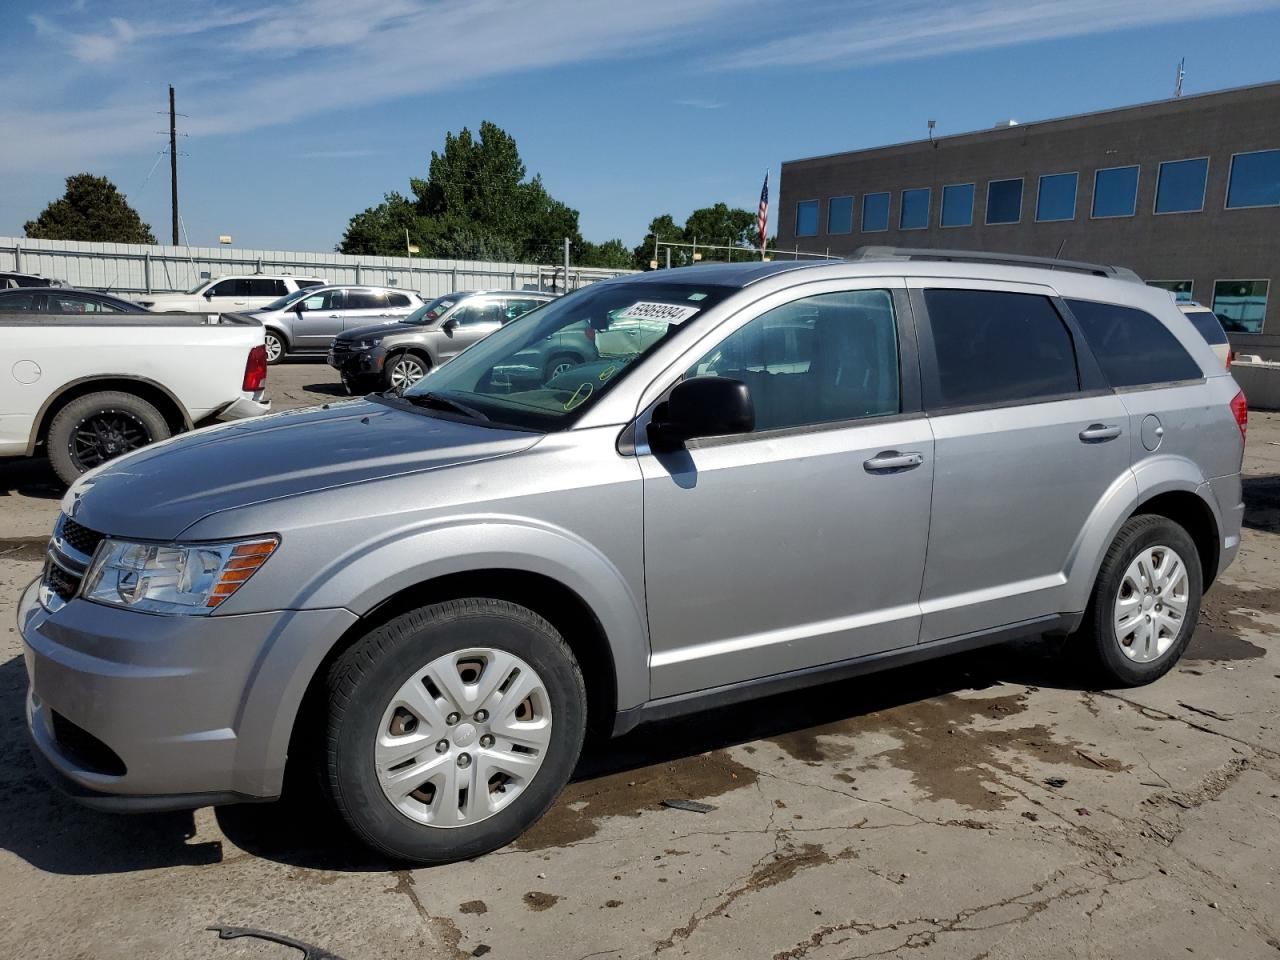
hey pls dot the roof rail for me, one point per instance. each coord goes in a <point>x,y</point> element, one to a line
<point>1004,259</point>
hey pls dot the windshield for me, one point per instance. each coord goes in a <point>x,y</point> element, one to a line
<point>197,288</point>
<point>433,310</point>
<point>288,298</point>
<point>545,369</point>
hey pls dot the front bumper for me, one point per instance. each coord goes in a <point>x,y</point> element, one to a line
<point>132,711</point>
<point>357,364</point>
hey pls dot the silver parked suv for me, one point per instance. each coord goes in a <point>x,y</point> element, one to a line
<point>766,476</point>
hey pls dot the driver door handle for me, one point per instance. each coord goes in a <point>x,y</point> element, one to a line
<point>1098,432</point>
<point>892,460</point>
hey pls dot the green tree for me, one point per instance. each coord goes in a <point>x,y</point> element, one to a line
<point>91,209</point>
<point>612,254</point>
<point>661,228</point>
<point>475,203</point>
<point>716,226</point>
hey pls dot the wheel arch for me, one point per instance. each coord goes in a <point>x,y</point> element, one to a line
<point>1191,511</point>
<point>158,395</point>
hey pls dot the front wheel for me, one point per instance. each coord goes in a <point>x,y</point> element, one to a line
<point>276,348</point>
<point>98,427</point>
<point>452,728</point>
<point>1145,603</point>
<point>403,370</point>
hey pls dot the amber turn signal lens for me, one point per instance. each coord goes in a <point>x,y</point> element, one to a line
<point>245,560</point>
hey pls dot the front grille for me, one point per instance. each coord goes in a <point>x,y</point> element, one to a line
<point>80,537</point>
<point>63,584</point>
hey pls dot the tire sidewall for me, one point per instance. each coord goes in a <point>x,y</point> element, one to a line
<point>284,346</point>
<point>414,642</point>
<point>397,358</point>
<point>1119,667</point>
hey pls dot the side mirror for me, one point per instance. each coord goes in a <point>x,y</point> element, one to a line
<point>208,294</point>
<point>449,325</point>
<point>702,407</point>
<point>297,306</point>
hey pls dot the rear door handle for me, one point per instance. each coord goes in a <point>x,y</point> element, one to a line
<point>892,460</point>
<point>1096,433</point>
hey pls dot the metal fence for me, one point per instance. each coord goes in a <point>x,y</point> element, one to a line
<point>126,268</point>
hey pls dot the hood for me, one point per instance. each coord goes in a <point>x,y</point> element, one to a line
<point>161,490</point>
<point>380,330</point>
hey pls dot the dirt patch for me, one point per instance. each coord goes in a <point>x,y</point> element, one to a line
<point>1227,611</point>
<point>538,902</point>
<point>577,813</point>
<point>950,753</point>
<point>473,906</point>
<point>23,548</point>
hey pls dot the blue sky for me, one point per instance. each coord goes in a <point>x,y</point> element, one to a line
<point>303,112</point>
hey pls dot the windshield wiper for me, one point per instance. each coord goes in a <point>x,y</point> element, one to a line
<point>441,402</point>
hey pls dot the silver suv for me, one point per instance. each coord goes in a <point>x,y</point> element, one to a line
<point>396,357</point>
<point>306,321</point>
<point>770,475</point>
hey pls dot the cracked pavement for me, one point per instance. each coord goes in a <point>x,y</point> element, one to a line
<point>985,806</point>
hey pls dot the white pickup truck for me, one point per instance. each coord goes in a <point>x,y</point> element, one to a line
<point>85,388</point>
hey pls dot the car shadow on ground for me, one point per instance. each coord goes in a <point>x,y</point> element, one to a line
<point>30,478</point>
<point>1262,502</point>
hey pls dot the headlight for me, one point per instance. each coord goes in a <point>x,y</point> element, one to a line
<point>173,578</point>
<point>367,344</point>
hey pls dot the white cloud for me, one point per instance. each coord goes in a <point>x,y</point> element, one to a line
<point>866,34</point>
<point>700,103</point>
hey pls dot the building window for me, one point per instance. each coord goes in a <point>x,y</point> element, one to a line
<point>914,214</point>
<point>1180,185</point>
<point>1004,201</point>
<point>1057,197</point>
<point>875,212</point>
<point>1240,304</point>
<point>1115,192</point>
<point>1182,290</point>
<point>1255,179</point>
<point>840,215</point>
<point>807,218</point>
<point>957,205</point>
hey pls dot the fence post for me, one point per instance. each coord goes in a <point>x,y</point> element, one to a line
<point>453,279</point>
<point>358,266</point>
<point>513,280</point>
<point>146,270</point>
<point>17,258</point>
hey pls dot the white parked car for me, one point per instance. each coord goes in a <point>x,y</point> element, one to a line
<point>228,294</point>
<point>86,388</point>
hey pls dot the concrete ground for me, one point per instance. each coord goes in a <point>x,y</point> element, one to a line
<point>986,806</point>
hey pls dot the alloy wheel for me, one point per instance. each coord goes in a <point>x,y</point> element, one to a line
<point>405,372</point>
<point>105,436</point>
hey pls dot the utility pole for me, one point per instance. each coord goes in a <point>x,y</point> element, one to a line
<point>566,264</point>
<point>1182,72</point>
<point>173,164</point>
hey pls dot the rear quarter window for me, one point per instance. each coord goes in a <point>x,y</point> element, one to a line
<point>1132,347</point>
<point>1207,325</point>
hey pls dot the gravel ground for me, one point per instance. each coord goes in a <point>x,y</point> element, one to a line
<point>986,806</point>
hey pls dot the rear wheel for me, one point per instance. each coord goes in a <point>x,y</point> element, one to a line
<point>452,728</point>
<point>403,370</point>
<point>98,427</point>
<point>561,363</point>
<point>1145,602</point>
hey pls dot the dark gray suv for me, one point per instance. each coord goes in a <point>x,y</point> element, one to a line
<point>398,355</point>
<point>770,475</point>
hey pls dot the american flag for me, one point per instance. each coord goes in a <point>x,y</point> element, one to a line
<point>762,218</point>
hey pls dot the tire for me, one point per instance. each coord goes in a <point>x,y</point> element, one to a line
<point>119,423</point>
<point>1146,644</point>
<point>559,360</point>
<point>403,370</point>
<point>277,346</point>
<point>373,738</point>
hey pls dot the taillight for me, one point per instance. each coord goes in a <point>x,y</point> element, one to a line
<point>255,370</point>
<point>1240,410</point>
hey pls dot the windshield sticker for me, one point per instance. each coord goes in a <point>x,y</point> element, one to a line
<point>579,396</point>
<point>672,313</point>
<point>697,296</point>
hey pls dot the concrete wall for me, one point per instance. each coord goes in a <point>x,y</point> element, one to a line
<point>1260,383</point>
<point>133,268</point>
<point>1215,244</point>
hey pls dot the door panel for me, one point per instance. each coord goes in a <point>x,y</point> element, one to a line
<point>1013,490</point>
<point>473,320</point>
<point>319,319</point>
<point>803,543</point>
<point>775,554</point>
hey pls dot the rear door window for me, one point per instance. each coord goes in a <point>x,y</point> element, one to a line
<point>993,347</point>
<point>1132,347</point>
<point>264,287</point>
<point>366,300</point>
<point>397,300</point>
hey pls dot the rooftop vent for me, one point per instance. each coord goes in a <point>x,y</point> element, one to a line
<point>1006,123</point>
